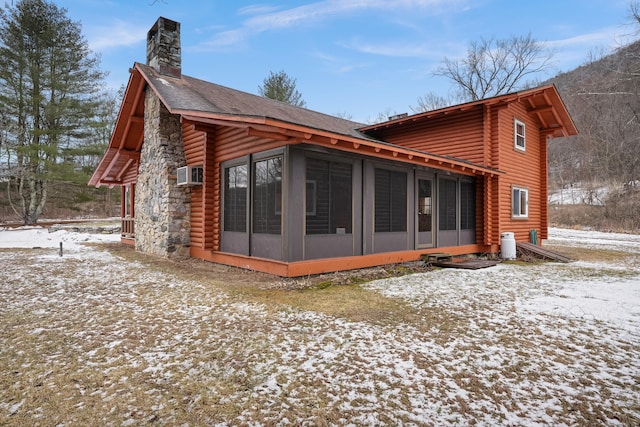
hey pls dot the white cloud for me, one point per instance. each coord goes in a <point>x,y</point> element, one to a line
<point>118,34</point>
<point>400,49</point>
<point>266,20</point>
<point>604,37</point>
<point>573,51</point>
<point>338,65</point>
<point>256,9</point>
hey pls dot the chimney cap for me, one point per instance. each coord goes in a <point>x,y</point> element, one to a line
<point>163,47</point>
<point>164,23</point>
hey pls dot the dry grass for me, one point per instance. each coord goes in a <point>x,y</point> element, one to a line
<point>591,254</point>
<point>148,341</point>
<point>335,294</point>
<point>619,214</point>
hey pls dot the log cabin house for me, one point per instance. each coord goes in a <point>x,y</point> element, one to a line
<point>237,179</point>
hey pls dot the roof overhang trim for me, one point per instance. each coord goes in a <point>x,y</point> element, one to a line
<point>125,144</point>
<point>291,134</point>
<point>553,104</point>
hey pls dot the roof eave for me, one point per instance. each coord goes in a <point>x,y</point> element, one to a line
<point>567,126</point>
<point>117,148</point>
<point>291,134</point>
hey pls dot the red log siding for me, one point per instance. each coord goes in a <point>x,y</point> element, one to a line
<point>211,197</point>
<point>493,188</point>
<point>194,144</point>
<point>522,169</point>
<point>486,135</point>
<point>468,135</point>
<point>480,209</point>
<point>131,176</point>
<point>459,135</point>
<point>226,143</point>
<point>233,142</point>
<point>490,218</point>
<point>544,189</point>
<point>481,135</point>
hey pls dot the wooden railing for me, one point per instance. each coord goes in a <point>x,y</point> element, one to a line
<point>128,230</point>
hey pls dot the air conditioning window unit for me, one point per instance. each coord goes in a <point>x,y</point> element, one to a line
<point>190,175</point>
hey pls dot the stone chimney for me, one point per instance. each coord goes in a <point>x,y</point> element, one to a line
<point>163,48</point>
<point>163,209</point>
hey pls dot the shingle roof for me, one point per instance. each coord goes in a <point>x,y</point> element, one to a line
<point>544,101</point>
<point>189,94</point>
<point>200,101</point>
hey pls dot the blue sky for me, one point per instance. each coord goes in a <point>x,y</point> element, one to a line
<point>355,57</point>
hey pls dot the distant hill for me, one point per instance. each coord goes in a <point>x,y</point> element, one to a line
<point>603,97</point>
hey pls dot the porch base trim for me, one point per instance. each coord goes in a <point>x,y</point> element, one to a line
<point>327,265</point>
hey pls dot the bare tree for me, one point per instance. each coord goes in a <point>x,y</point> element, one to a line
<point>344,115</point>
<point>432,101</point>
<point>494,67</point>
<point>383,116</point>
<point>603,97</point>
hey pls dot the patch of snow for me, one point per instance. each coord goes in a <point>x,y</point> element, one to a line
<point>595,239</point>
<point>14,408</point>
<point>541,344</point>
<point>39,237</point>
<point>164,82</point>
<point>612,301</point>
<point>576,195</point>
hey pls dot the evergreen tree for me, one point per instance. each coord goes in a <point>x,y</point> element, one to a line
<point>49,92</point>
<point>281,87</point>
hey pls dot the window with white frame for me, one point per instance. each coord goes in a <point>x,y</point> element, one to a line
<point>519,131</point>
<point>519,202</point>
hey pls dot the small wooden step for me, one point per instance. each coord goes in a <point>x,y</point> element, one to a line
<point>470,264</point>
<point>539,252</point>
<point>437,257</point>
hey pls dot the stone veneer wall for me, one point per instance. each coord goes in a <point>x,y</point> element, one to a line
<point>163,210</point>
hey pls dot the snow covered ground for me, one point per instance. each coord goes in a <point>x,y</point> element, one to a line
<point>39,237</point>
<point>91,339</point>
<point>578,196</point>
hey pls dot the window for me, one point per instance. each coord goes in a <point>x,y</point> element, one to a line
<point>311,197</point>
<point>425,205</point>
<point>127,201</point>
<point>235,198</point>
<point>328,197</point>
<point>447,208</point>
<point>467,205</point>
<point>520,202</point>
<point>267,196</point>
<point>519,135</point>
<point>390,201</point>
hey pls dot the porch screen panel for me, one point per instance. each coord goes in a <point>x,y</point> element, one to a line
<point>235,198</point>
<point>267,196</point>
<point>390,201</point>
<point>447,211</point>
<point>467,205</point>
<point>328,197</point>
